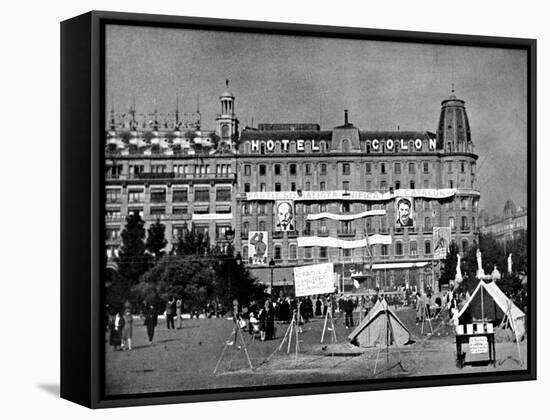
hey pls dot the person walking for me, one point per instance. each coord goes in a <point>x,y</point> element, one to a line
<point>179,306</point>
<point>127,330</point>
<point>170,313</point>
<point>151,322</point>
<point>118,325</point>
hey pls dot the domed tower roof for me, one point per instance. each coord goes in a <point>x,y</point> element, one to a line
<point>453,130</point>
<point>227,93</point>
<point>509,208</point>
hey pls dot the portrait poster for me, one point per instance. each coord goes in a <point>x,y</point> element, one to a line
<point>441,240</point>
<point>404,211</point>
<point>257,248</point>
<point>285,221</point>
<point>317,279</point>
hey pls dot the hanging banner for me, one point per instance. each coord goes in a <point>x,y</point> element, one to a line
<point>404,210</point>
<point>211,216</point>
<point>285,215</point>
<point>317,279</point>
<point>333,216</point>
<point>441,239</point>
<point>353,195</point>
<point>257,248</point>
<point>341,243</point>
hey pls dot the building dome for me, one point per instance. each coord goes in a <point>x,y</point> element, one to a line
<point>453,130</point>
<point>509,208</point>
<point>227,94</point>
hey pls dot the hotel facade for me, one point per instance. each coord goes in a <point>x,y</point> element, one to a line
<point>296,194</point>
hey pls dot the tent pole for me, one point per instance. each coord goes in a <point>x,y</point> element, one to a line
<point>482,309</point>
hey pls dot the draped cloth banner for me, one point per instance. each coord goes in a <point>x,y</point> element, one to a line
<point>340,243</point>
<point>355,195</point>
<point>333,216</point>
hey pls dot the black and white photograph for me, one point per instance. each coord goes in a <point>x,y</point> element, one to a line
<point>288,209</point>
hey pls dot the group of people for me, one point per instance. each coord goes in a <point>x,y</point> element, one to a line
<point>120,324</point>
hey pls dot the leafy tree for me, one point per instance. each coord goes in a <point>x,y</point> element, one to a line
<point>156,241</point>
<point>117,289</point>
<point>132,260</point>
<point>192,243</point>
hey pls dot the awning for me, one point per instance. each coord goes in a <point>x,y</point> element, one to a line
<point>211,216</point>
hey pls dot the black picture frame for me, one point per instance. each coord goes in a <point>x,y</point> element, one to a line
<point>82,204</point>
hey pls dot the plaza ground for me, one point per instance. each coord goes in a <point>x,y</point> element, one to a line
<point>185,359</point>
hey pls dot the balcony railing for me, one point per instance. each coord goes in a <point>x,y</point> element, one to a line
<point>346,232</point>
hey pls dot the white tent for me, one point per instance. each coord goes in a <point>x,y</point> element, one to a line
<point>489,303</point>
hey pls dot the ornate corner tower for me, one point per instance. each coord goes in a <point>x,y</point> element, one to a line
<point>453,130</point>
<point>227,124</point>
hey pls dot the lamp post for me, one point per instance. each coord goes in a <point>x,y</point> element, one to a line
<point>230,236</point>
<point>271,267</point>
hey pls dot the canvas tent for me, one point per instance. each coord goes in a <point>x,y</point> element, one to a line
<point>374,329</point>
<point>489,303</point>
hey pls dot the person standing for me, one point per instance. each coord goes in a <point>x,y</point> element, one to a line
<point>151,322</point>
<point>118,326</point>
<point>179,306</point>
<point>170,313</point>
<point>127,330</point>
<point>348,310</point>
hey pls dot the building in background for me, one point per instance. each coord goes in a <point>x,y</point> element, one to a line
<point>507,226</point>
<point>365,200</point>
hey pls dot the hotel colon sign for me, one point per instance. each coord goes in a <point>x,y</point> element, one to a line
<point>367,201</point>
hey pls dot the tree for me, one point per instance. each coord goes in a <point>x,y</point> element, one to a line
<point>192,243</point>
<point>132,260</point>
<point>156,241</point>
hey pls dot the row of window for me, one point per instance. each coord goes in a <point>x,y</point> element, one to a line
<point>308,253</point>
<point>346,168</point>
<point>369,185</point>
<point>347,227</point>
<point>159,194</point>
<point>115,171</point>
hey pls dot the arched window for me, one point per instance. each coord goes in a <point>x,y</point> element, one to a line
<point>452,222</point>
<point>293,252</point>
<point>465,245</point>
<point>427,247</point>
<point>427,223</point>
<point>413,248</point>
<point>278,254</point>
<point>225,130</point>
<point>464,225</point>
<point>368,147</point>
<point>398,248</point>
<point>262,148</point>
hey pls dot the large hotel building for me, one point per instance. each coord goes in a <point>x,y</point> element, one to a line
<point>297,194</point>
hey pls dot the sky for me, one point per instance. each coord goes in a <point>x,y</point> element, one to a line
<point>384,85</point>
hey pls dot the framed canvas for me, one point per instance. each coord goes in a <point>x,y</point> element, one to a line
<point>255,209</point>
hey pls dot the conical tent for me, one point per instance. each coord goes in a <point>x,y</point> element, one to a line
<point>490,304</point>
<point>380,327</point>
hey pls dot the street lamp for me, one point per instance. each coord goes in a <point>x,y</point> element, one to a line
<point>271,266</point>
<point>229,236</point>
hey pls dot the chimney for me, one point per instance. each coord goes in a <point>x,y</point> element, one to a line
<point>345,116</point>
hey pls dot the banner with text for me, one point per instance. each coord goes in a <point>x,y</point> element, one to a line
<point>317,279</point>
<point>353,195</point>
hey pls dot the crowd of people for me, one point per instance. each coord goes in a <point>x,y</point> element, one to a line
<point>260,318</point>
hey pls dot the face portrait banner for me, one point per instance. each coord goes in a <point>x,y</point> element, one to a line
<point>404,211</point>
<point>285,216</point>
<point>441,240</point>
<point>317,279</point>
<point>257,248</point>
